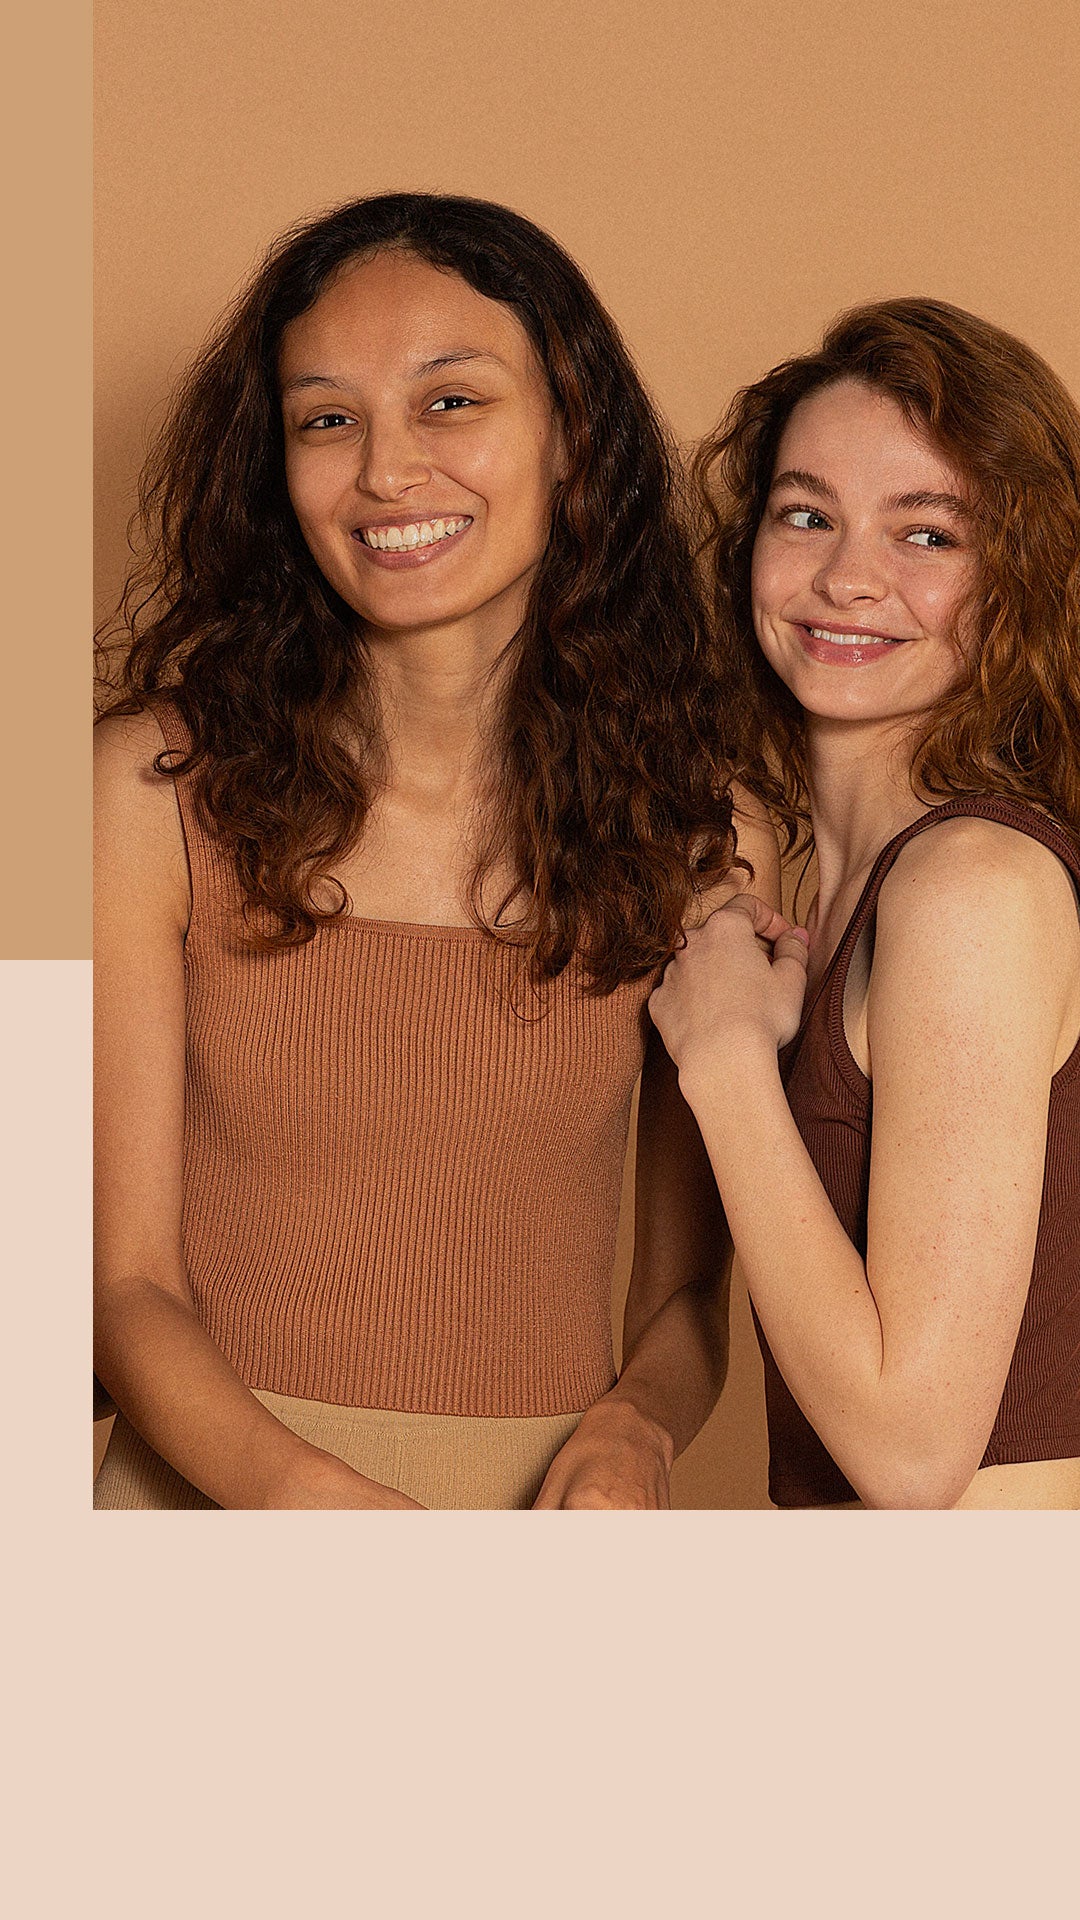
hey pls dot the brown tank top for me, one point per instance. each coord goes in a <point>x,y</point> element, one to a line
<point>402,1173</point>
<point>830,1100</point>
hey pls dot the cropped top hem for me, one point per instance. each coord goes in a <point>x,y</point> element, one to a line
<point>1048,1447</point>
<point>534,1406</point>
<point>1045,1446</point>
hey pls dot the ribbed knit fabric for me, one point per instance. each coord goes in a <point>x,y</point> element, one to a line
<point>402,1168</point>
<point>830,1101</point>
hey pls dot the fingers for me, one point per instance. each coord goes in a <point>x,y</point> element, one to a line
<point>790,956</point>
<point>768,924</point>
<point>793,944</point>
<point>758,912</point>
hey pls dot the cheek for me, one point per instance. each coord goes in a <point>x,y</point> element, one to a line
<point>513,467</point>
<point>517,478</point>
<point>772,578</point>
<point>308,491</point>
<point>938,602</point>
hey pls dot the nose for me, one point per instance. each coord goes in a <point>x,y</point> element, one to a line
<point>391,461</point>
<point>852,570</point>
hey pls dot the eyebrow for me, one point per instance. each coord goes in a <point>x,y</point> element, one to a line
<point>934,502</point>
<point>896,502</point>
<point>423,371</point>
<point>810,483</point>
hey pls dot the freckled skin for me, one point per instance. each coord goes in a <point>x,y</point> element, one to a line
<point>860,566</point>
<point>959,1009</point>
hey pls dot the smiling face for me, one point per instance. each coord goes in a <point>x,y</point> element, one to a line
<point>862,559</point>
<point>422,448</point>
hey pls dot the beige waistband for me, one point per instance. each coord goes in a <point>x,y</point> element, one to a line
<point>445,1461</point>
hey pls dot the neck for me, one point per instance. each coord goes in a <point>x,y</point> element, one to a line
<point>860,796</point>
<point>437,689</point>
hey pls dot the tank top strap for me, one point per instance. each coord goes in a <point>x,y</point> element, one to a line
<point>214,884</point>
<point>994,806</point>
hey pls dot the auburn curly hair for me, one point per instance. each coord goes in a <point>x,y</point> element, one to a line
<point>1011,722</point>
<point>612,803</point>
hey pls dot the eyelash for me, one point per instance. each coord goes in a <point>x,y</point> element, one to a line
<point>939,533</point>
<point>946,539</point>
<point>785,513</point>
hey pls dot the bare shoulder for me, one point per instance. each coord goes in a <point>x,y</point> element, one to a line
<point>977,925</point>
<point>751,815</point>
<point>125,747</point>
<point>139,839</point>
<point>981,868</point>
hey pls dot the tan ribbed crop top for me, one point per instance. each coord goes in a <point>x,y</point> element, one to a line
<point>401,1182</point>
<point>830,1101</point>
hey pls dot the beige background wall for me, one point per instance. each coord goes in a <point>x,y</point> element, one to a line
<point>729,175</point>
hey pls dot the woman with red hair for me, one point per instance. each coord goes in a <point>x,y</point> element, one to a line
<point>894,554</point>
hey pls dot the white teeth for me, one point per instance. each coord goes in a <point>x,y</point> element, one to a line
<point>422,533</point>
<point>851,639</point>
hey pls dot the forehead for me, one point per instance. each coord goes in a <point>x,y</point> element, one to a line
<point>393,311</point>
<point>855,436</point>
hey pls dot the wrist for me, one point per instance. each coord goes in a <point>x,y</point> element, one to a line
<point>617,1419</point>
<point>303,1476</point>
<point>739,1062</point>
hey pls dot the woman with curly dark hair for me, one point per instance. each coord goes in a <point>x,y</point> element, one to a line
<point>415,769</point>
<point>895,561</point>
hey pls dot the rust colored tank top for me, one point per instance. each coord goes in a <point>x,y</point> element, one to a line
<point>402,1174</point>
<point>830,1100</point>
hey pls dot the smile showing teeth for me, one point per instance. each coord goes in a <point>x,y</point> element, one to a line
<point>853,639</point>
<point>421,533</point>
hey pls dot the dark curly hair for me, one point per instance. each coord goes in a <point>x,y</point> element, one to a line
<point>612,803</point>
<point>1011,723</point>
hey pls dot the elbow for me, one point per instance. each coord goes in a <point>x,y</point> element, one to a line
<point>914,1449</point>
<point>931,1482</point>
<point>918,1496</point>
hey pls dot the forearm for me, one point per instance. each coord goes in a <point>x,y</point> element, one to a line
<point>189,1403</point>
<point>674,1369</point>
<point>808,1282</point>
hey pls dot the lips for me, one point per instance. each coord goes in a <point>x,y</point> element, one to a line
<point>846,646</point>
<point>393,536</point>
<point>399,545</point>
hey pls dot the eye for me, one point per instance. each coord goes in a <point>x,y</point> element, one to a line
<point>806,519</point>
<point>932,537</point>
<point>450,403</point>
<point>325,421</point>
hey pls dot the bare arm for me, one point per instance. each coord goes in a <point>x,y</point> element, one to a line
<point>151,1351</point>
<point>675,1332</point>
<point>898,1361</point>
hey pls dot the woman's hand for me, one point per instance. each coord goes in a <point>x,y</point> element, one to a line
<point>615,1458</point>
<point>741,976</point>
